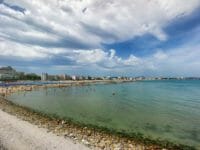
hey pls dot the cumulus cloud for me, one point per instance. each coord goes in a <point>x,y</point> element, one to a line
<point>89,56</point>
<point>180,61</point>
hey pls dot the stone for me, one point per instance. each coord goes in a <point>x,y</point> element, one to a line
<point>85,142</point>
<point>63,122</point>
<point>89,132</point>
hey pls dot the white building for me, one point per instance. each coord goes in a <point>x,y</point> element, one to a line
<point>44,77</point>
<point>74,78</point>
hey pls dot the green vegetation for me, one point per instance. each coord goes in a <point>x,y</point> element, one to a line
<point>30,76</point>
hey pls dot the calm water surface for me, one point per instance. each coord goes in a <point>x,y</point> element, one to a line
<point>159,109</point>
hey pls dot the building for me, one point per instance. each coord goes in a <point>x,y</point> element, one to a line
<point>68,77</point>
<point>74,77</point>
<point>8,73</point>
<point>44,77</point>
<point>64,77</point>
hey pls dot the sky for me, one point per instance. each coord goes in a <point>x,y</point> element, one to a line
<point>101,37</point>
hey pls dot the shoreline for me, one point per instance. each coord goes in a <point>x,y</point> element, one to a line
<point>21,87</point>
<point>16,134</point>
<point>90,136</point>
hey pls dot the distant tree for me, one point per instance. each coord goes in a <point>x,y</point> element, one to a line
<point>32,76</point>
<point>89,78</point>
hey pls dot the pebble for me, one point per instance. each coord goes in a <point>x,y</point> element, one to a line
<point>63,122</point>
<point>85,142</point>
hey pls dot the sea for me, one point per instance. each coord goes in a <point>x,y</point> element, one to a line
<point>167,109</point>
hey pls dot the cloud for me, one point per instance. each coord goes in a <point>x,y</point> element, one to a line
<point>26,51</point>
<point>180,61</point>
<point>160,55</point>
<point>65,23</point>
<point>76,31</point>
<point>89,56</point>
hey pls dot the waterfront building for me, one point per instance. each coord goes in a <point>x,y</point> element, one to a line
<point>52,77</point>
<point>44,77</point>
<point>74,77</point>
<point>8,73</point>
<point>64,77</point>
<point>68,77</point>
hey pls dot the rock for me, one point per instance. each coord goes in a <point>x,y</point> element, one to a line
<point>71,135</point>
<point>130,146</point>
<point>85,142</point>
<point>63,122</point>
<point>102,144</point>
<point>89,132</point>
<point>117,146</point>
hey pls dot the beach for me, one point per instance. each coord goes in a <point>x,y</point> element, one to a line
<point>33,125</point>
<point>22,128</point>
<point>16,134</point>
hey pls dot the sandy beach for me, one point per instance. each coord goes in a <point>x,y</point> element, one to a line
<point>16,134</point>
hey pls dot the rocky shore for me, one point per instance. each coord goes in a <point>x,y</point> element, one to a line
<point>91,136</point>
<point>6,90</point>
<point>17,134</point>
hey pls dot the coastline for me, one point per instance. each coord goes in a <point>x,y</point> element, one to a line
<point>23,87</point>
<point>17,134</point>
<point>92,136</point>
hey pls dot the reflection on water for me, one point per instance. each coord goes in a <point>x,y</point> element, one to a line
<point>160,109</point>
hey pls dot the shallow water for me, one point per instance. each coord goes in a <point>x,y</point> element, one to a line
<point>159,109</point>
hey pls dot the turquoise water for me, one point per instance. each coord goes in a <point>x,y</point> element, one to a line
<point>158,109</point>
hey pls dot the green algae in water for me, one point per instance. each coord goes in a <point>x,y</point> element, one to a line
<point>168,110</point>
